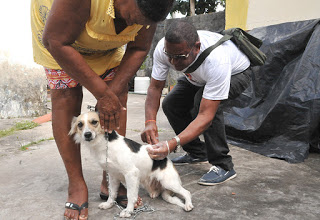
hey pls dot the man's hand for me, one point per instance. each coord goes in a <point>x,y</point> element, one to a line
<point>109,108</point>
<point>159,151</point>
<point>150,133</point>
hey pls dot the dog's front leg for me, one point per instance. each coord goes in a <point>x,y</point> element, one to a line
<point>114,184</point>
<point>132,181</point>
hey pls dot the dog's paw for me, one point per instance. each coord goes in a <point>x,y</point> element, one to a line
<point>154,194</point>
<point>105,205</point>
<point>125,213</point>
<point>188,207</point>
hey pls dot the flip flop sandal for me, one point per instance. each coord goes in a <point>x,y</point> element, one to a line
<point>104,196</point>
<point>120,199</point>
<point>73,206</point>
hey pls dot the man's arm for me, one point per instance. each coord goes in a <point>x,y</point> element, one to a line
<point>152,104</point>
<point>207,111</point>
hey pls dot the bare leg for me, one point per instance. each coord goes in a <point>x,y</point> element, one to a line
<point>66,103</point>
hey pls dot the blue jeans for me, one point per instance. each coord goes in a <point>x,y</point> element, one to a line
<point>181,106</point>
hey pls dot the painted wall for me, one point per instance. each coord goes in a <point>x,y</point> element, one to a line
<point>236,13</point>
<point>249,14</point>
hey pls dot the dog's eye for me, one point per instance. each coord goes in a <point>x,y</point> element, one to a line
<point>80,125</point>
<point>94,122</point>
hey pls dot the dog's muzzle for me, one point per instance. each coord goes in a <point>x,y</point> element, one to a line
<point>88,136</point>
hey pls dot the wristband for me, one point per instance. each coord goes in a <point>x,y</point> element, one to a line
<point>150,121</point>
<point>168,148</point>
<point>178,143</point>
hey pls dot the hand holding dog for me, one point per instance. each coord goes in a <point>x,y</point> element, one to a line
<point>109,108</point>
<point>158,151</point>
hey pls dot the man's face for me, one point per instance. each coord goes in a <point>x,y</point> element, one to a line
<point>180,55</point>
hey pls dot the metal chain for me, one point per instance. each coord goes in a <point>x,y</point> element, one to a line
<point>107,173</point>
<point>136,212</point>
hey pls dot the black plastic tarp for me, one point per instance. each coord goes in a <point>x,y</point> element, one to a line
<point>278,115</point>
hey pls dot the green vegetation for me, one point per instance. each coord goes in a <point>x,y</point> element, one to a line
<point>144,65</point>
<point>24,125</point>
<point>25,147</point>
<point>200,6</point>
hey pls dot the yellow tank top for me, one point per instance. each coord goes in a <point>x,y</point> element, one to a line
<point>99,44</point>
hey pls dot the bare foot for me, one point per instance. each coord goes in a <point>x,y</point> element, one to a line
<point>122,191</point>
<point>77,194</point>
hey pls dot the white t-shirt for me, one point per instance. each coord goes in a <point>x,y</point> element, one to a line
<point>215,71</point>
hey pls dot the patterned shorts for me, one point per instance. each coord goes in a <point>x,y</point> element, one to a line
<point>59,79</point>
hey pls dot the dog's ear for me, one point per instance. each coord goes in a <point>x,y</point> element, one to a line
<point>73,129</point>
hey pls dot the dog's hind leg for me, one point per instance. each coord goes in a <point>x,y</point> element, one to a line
<point>172,182</point>
<point>166,195</point>
<point>153,187</point>
<point>114,184</point>
<point>132,181</point>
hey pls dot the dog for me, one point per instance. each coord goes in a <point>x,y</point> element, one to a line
<point>128,163</point>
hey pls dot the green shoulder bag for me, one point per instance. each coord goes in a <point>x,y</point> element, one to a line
<point>247,43</point>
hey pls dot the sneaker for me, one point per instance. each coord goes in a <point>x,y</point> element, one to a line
<point>187,158</point>
<point>217,175</point>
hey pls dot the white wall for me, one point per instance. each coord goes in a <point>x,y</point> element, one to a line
<point>269,12</point>
<point>15,36</point>
<point>23,91</point>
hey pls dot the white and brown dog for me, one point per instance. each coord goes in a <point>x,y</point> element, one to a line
<point>129,163</point>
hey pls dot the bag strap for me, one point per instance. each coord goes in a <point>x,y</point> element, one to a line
<point>206,52</point>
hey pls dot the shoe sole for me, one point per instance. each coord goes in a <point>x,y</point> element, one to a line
<point>181,164</point>
<point>213,184</point>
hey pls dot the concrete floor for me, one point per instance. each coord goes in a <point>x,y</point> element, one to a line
<point>33,183</point>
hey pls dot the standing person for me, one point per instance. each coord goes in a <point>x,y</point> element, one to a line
<point>223,75</point>
<point>81,43</point>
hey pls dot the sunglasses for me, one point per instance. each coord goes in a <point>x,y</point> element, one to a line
<point>178,56</point>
